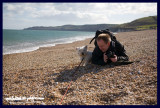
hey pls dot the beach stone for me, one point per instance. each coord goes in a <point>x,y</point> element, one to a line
<point>42,72</point>
<point>131,73</point>
<point>139,72</point>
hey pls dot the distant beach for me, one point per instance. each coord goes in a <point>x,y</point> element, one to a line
<point>45,73</point>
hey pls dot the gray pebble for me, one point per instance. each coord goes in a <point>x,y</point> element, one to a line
<point>131,73</point>
<point>139,72</point>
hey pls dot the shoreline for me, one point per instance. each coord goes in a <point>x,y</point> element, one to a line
<point>46,72</point>
<point>21,43</point>
<point>30,49</point>
<point>45,46</point>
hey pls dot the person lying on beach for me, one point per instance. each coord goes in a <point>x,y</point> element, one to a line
<point>108,51</point>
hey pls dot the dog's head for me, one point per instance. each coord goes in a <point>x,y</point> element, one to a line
<point>82,50</point>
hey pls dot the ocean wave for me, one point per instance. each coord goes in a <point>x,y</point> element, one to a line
<point>32,46</point>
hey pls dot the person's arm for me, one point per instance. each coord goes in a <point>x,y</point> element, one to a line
<point>121,52</point>
<point>97,57</point>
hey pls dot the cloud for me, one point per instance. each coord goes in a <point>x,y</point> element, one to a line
<point>75,13</point>
<point>9,7</point>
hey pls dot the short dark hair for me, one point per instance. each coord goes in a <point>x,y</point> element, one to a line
<point>105,37</point>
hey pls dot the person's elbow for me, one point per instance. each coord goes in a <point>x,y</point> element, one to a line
<point>127,58</point>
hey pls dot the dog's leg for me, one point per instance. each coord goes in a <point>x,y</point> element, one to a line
<point>85,63</point>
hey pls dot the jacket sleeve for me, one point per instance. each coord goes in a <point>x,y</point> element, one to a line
<point>121,52</point>
<point>97,57</point>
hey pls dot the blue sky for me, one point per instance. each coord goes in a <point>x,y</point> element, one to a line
<point>23,15</point>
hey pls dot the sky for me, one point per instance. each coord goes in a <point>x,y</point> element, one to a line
<point>24,15</point>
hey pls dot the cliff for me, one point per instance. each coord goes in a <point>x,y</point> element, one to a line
<point>138,24</point>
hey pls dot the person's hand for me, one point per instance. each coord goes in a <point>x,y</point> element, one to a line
<point>105,58</point>
<point>114,59</point>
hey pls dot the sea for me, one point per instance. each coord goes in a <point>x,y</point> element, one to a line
<point>18,41</point>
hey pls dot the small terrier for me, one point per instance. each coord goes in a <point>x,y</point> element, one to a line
<point>84,54</point>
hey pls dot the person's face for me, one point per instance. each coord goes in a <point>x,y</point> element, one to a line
<point>102,45</point>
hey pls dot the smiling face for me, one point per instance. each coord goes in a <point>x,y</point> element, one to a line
<point>102,45</point>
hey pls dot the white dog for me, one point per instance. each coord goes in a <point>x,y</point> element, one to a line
<point>84,54</point>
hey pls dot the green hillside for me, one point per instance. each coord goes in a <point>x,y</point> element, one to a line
<point>138,24</point>
<point>142,23</point>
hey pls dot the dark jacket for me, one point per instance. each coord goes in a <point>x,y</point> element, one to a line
<point>116,47</point>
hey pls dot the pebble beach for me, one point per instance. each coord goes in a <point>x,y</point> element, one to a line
<point>41,77</point>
